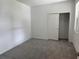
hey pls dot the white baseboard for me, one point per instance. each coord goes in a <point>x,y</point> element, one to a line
<point>13,46</point>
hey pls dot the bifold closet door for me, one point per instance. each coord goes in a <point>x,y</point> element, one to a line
<point>53,26</point>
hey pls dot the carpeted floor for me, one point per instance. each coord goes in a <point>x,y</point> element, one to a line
<point>42,49</point>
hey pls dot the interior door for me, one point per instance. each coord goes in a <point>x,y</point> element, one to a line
<point>53,26</point>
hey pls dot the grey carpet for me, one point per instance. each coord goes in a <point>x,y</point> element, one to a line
<point>42,49</point>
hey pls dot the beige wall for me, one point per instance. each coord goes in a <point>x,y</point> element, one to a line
<point>39,18</point>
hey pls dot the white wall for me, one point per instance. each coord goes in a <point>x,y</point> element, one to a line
<point>15,24</point>
<point>76,34</point>
<point>39,18</point>
<point>21,20</point>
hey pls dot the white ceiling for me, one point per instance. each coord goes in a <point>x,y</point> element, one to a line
<point>40,2</point>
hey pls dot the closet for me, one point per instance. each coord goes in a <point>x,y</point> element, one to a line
<point>58,26</point>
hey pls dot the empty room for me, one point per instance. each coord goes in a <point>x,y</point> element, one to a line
<point>39,29</point>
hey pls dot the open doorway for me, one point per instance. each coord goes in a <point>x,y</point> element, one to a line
<point>64,26</point>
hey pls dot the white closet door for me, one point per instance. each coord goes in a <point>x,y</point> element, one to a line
<point>53,26</point>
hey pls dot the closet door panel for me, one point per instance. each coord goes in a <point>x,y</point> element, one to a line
<point>53,26</point>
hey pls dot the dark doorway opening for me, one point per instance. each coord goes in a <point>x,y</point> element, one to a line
<point>64,26</point>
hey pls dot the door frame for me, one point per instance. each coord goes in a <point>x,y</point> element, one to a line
<point>58,30</point>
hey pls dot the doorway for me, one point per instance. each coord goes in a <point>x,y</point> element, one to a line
<point>64,26</point>
<point>58,26</point>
